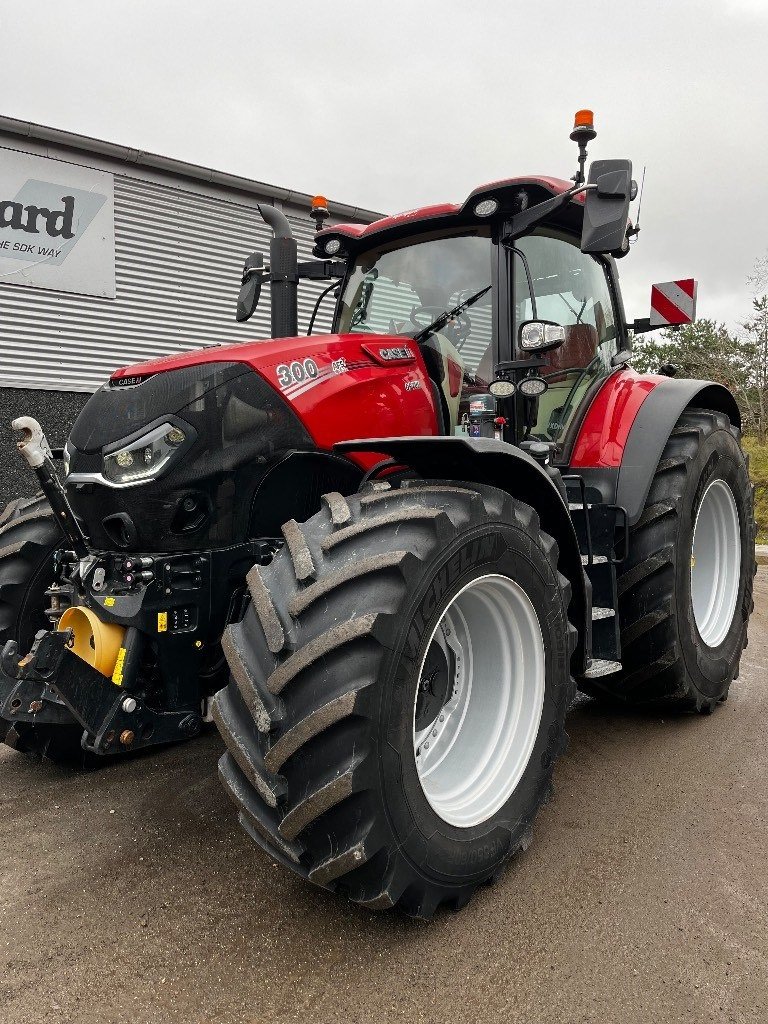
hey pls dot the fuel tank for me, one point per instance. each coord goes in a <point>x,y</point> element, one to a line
<point>207,449</point>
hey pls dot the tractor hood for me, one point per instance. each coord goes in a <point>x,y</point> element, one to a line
<point>179,445</point>
<point>261,356</point>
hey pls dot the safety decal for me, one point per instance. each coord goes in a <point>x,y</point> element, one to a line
<point>162,622</point>
<point>117,675</point>
<point>673,302</point>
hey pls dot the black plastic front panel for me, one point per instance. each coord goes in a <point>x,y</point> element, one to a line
<point>204,499</point>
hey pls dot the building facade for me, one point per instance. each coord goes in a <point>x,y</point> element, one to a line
<point>110,256</point>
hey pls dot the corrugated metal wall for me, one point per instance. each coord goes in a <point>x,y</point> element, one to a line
<point>178,260</point>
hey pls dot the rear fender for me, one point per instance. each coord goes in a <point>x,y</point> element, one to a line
<point>498,464</point>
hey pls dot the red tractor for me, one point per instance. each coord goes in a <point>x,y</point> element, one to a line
<point>394,552</point>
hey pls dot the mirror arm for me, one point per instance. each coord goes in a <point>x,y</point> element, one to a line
<point>522,222</point>
<point>322,270</point>
<point>641,326</point>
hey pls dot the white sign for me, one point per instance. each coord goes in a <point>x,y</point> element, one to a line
<point>56,225</point>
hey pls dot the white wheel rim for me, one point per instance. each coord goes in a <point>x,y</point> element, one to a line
<point>472,753</point>
<point>715,563</point>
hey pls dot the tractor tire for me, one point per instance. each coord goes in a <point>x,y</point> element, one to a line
<point>684,604</point>
<point>356,650</point>
<point>29,536</point>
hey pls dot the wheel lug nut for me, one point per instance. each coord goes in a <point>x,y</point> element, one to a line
<point>442,718</point>
<point>426,745</point>
<point>434,732</point>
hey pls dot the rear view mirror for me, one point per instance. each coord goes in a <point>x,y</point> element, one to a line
<point>606,207</point>
<point>250,289</point>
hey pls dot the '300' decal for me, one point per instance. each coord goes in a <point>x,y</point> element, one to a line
<point>296,372</point>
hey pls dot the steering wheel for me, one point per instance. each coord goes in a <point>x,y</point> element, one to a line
<point>459,326</point>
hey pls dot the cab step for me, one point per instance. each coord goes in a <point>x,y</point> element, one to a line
<point>600,668</point>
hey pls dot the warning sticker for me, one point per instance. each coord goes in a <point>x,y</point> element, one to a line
<point>162,622</point>
<point>117,675</point>
<point>109,602</point>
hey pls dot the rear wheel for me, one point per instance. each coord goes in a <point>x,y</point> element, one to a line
<point>685,592</point>
<point>400,684</point>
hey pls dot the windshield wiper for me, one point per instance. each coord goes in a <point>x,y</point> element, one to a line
<point>442,320</point>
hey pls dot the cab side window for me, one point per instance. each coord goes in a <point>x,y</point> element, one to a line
<point>571,289</point>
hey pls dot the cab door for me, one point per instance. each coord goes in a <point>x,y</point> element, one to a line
<point>554,280</point>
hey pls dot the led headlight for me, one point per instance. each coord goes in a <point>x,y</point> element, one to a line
<point>532,387</point>
<point>332,246</point>
<point>501,388</point>
<point>145,457</point>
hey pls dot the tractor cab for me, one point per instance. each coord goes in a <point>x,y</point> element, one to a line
<point>438,289</point>
<point>511,295</point>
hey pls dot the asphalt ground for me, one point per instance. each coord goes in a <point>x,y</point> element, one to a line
<point>130,894</point>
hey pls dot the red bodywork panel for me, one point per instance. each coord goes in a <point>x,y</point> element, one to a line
<point>354,393</point>
<point>357,393</point>
<point>606,426</point>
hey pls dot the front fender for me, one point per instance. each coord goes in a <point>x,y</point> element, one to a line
<point>498,464</point>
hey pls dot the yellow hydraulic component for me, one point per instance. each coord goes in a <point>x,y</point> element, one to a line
<point>96,642</point>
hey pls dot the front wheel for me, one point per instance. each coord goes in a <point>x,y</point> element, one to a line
<point>400,684</point>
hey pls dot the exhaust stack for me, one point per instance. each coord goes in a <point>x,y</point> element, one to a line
<point>283,274</point>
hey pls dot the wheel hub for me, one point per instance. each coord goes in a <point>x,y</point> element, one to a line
<point>715,563</point>
<point>479,700</point>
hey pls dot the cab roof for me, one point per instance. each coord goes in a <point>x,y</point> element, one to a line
<point>356,237</point>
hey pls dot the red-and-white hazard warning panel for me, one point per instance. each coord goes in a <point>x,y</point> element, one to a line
<point>673,302</point>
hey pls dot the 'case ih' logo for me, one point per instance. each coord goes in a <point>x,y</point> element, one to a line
<point>395,353</point>
<point>129,382</point>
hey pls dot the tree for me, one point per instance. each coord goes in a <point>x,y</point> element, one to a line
<point>704,349</point>
<point>755,347</point>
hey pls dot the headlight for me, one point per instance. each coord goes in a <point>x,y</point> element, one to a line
<point>145,457</point>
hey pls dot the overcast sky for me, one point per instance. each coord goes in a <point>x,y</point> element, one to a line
<point>397,104</point>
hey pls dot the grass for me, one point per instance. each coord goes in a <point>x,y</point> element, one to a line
<point>758,471</point>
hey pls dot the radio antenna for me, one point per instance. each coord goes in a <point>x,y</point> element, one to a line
<point>636,229</point>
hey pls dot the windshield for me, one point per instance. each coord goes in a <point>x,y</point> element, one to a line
<point>404,290</point>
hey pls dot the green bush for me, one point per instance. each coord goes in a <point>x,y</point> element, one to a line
<point>758,471</point>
